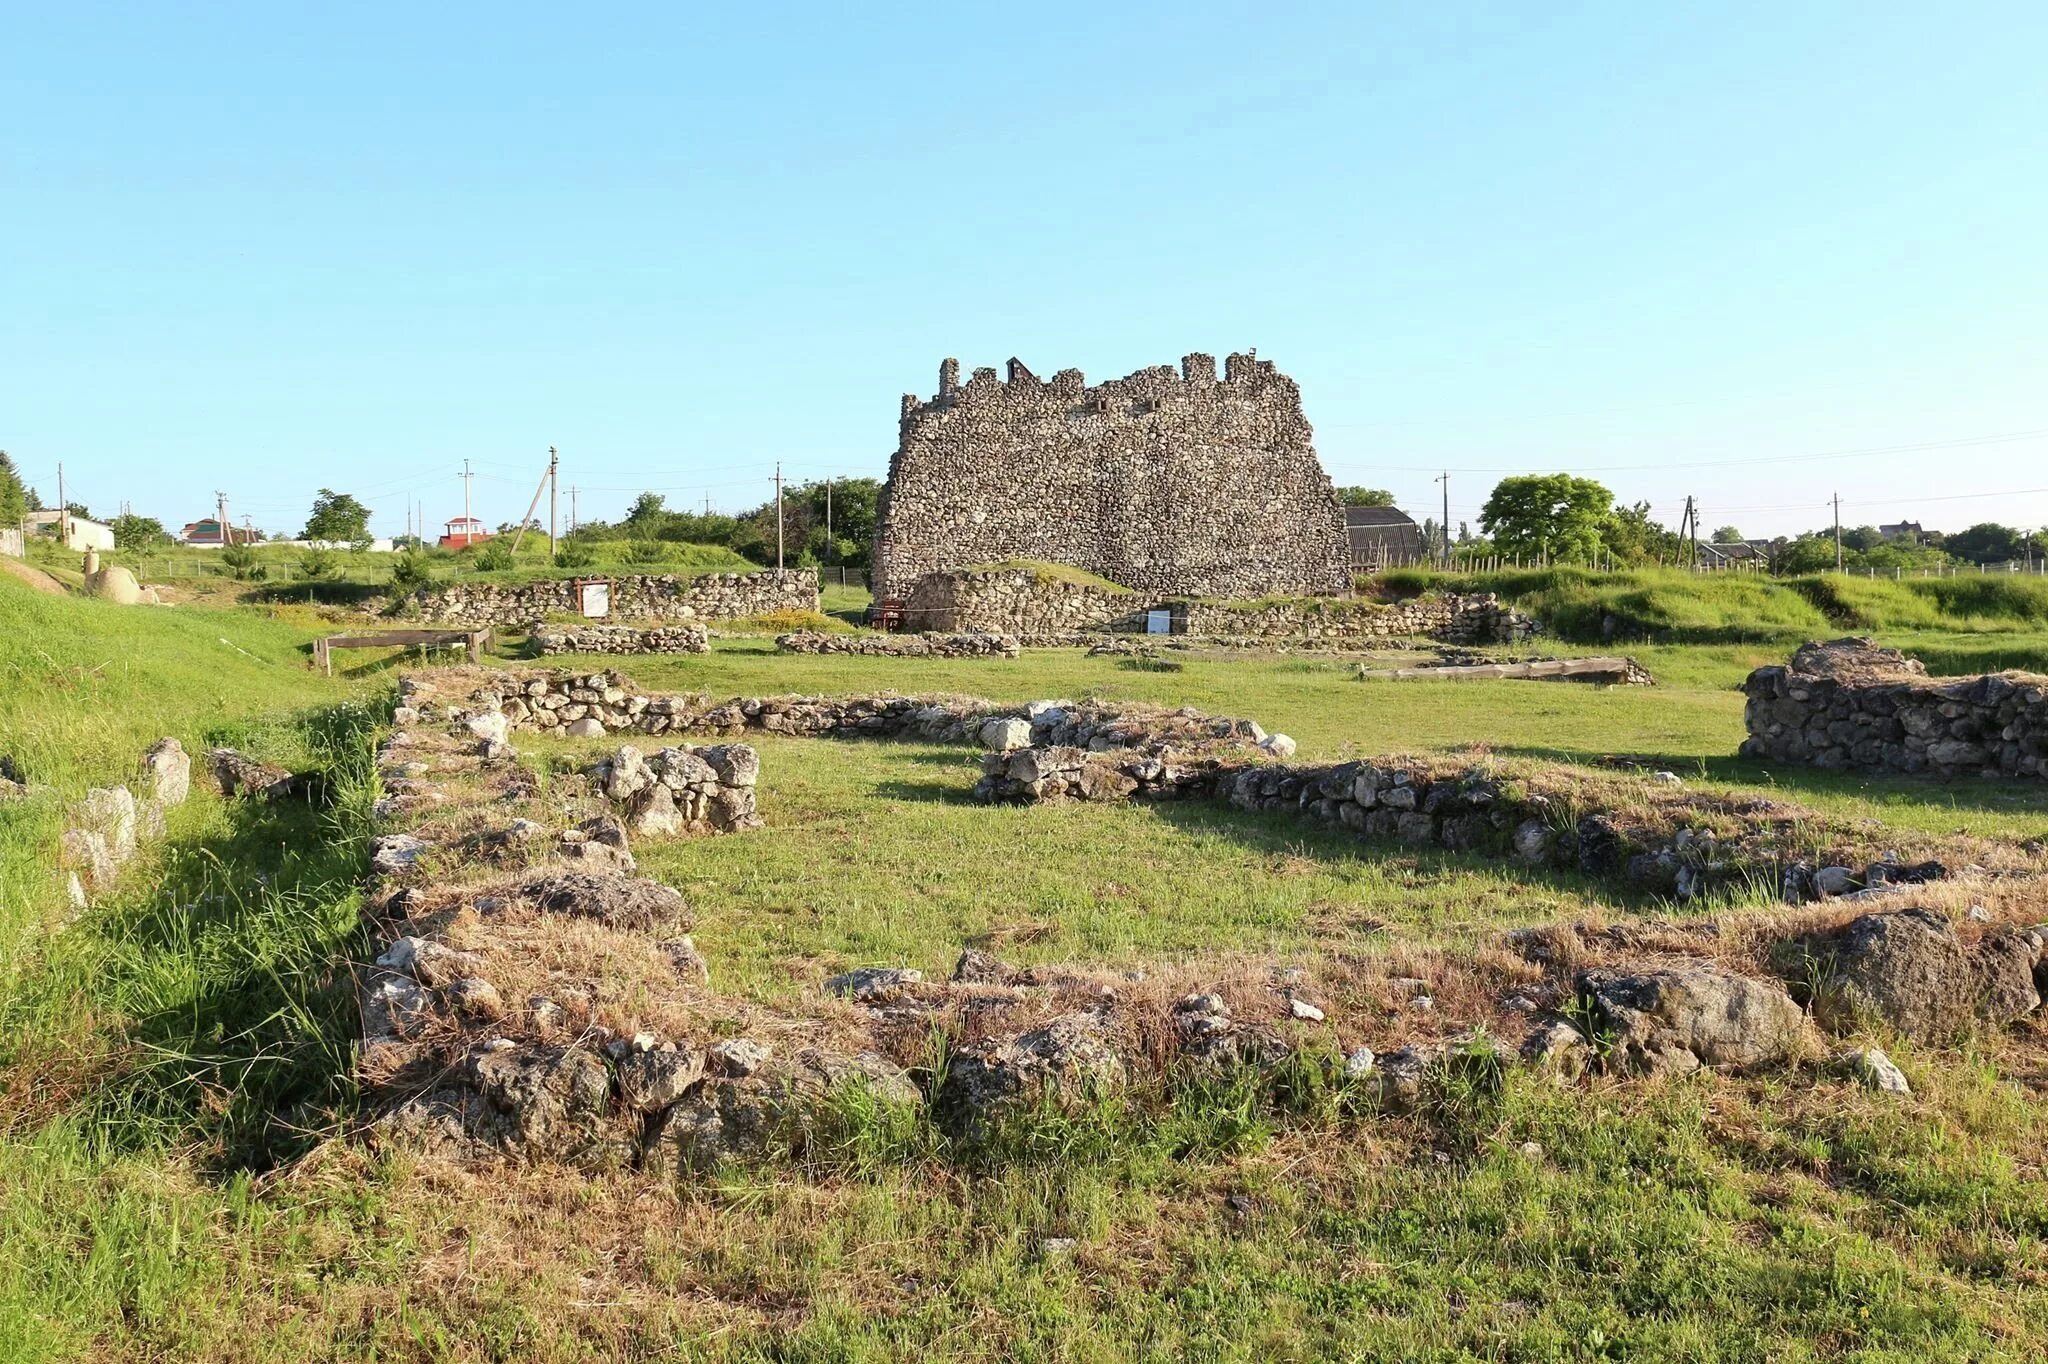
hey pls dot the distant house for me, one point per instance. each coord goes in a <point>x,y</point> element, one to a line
<point>206,533</point>
<point>1903,530</point>
<point>1382,537</point>
<point>78,532</point>
<point>463,531</point>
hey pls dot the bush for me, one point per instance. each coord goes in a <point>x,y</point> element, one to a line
<point>410,572</point>
<point>241,563</point>
<point>646,552</point>
<point>492,556</point>
<point>316,564</point>
<point>574,555</point>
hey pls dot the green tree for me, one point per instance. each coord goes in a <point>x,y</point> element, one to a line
<point>139,532</point>
<point>1728,535</point>
<point>1354,496</point>
<point>1632,536</point>
<point>1554,515</point>
<point>14,494</point>
<point>337,516</point>
<point>1984,543</point>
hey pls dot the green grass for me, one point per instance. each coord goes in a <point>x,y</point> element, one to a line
<point>161,1055</point>
<point>1670,606</point>
<point>1047,571</point>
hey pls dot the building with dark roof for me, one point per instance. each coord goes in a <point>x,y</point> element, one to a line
<point>1382,537</point>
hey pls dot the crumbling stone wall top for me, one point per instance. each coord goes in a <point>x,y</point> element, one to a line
<point>1166,482</point>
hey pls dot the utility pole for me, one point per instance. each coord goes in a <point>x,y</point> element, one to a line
<point>1838,532</point>
<point>63,512</point>
<point>220,516</point>
<point>1445,479</point>
<point>828,509</point>
<point>554,499</point>
<point>468,531</point>
<point>573,517</point>
<point>547,477</point>
<point>778,515</point>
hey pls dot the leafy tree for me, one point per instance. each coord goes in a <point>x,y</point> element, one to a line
<point>1548,514</point>
<point>1632,536</point>
<point>337,516</point>
<point>1354,496</point>
<point>14,494</point>
<point>1985,543</point>
<point>1728,535</point>
<point>139,532</point>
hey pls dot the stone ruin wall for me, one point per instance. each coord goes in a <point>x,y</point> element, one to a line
<point>1164,482</point>
<point>1016,601</point>
<point>1479,618</point>
<point>1849,704</point>
<point>634,596</point>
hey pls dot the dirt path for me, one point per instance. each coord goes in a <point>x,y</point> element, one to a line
<point>34,577</point>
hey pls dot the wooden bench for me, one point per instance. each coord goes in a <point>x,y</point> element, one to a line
<point>472,640</point>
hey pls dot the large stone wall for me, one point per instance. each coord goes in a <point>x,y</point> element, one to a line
<point>1849,704</point>
<point>1480,618</point>
<point>900,646</point>
<point>1016,601</point>
<point>1168,483</point>
<point>638,596</point>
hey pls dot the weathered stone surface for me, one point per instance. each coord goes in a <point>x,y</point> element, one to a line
<point>664,597</point>
<point>166,773</point>
<point>240,775</point>
<point>551,1101</point>
<point>1064,1060</point>
<point>1675,1021</point>
<point>653,1077</point>
<point>1909,970</point>
<point>621,901</point>
<point>545,640</point>
<point>926,645</point>
<point>867,984</point>
<point>772,1108</point>
<point>1163,482</point>
<point>109,811</point>
<point>1874,1070</point>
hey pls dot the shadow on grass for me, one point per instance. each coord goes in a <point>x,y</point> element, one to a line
<point>220,992</point>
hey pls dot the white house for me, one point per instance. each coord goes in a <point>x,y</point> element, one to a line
<point>78,532</point>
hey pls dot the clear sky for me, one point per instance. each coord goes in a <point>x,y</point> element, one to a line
<point>1699,248</point>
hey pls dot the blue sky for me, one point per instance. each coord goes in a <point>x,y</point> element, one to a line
<point>1698,249</point>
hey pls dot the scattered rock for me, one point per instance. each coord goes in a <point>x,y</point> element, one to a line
<point>1305,1011</point>
<point>772,1108</point>
<point>1874,1069</point>
<point>476,998</point>
<point>1278,746</point>
<point>873,984</point>
<point>241,775</point>
<point>690,964</point>
<point>739,1056</point>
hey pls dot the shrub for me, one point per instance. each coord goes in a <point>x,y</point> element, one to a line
<point>241,563</point>
<point>646,552</point>
<point>410,572</point>
<point>573,555</point>
<point>316,564</point>
<point>492,556</point>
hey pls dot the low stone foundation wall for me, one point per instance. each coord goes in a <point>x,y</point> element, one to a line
<point>900,646</point>
<point>619,639</point>
<point>645,596</point>
<point>1017,601</point>
<point>1849,704</point>
<point>1480,618</point>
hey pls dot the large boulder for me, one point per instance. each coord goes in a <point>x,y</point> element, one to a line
<point>546,1103</point>
<point>1679,1020</point>
<point>1908,970</point>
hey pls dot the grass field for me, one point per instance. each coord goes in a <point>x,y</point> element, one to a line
<point>177,1180</point>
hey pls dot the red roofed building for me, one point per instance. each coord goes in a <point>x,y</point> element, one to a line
<point>462,531</point>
